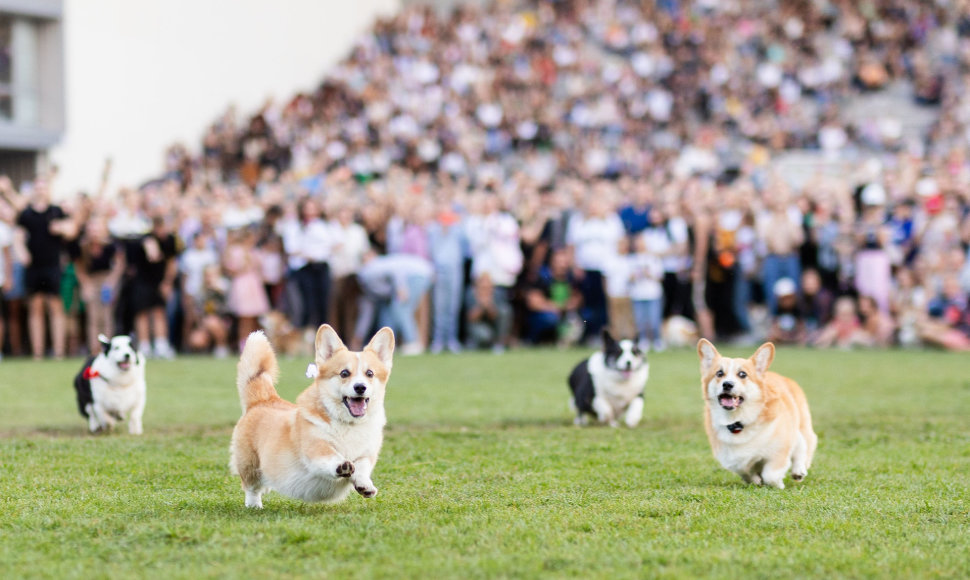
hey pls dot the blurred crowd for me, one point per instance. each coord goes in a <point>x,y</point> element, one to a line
<point>530,172</point>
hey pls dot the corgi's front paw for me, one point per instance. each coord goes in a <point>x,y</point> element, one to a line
<point>366,490</point>
<point>345,469</point>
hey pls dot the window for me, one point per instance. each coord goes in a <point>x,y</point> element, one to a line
<point>6,71</point>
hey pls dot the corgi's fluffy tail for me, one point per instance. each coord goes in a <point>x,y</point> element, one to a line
<point>257,372</point>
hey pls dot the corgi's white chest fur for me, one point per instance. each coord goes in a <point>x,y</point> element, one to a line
<point>124,392</point>
<point>355,442</point>
<point>741,452</point>
<point>617,388</point>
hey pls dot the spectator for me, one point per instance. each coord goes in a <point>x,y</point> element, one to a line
<point>150,278</point>
<point>308,242</point>
<point>876,323</point>
<point>554,303</point>
<point>618,280</point>
<point>816,302</point>
<point>48,229</point>
<point>646,288</point>
<point>594,237</point>
<point>779,229</point>
<point>394,284</point>
<point>788,322</point>
<point>192,265</point>
<point>247,299</point>
<point>489,322</point>
<point>948,325</point>
<point>209,327</point>
<point>493,237</point>
<point>447,241</point>
<point>872,263</point>
<point>99,265</point>
<point>349,248</point>
<point>844,330</point>
<point>6,272</point>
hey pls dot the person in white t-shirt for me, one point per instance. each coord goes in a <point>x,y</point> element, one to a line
<point>308,241</point>
<point>617,273</point>
<point>494,238</point>
<point>350,246</point>
<point>594,237</point>
<point>646,289</point>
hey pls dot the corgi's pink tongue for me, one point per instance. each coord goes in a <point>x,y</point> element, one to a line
<point>356,405</point>
<point>728,402</point>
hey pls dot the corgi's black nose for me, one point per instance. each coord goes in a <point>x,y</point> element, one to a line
<point>360,388</point>
<point>126,357</point>
<point>727,385</point>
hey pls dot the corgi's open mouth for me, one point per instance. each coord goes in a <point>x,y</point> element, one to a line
<point>356,405</point>
<point>730,402</point>
<point>124,365</point>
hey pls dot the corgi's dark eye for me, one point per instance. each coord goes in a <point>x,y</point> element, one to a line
<point>742,374</point>
<point>370,374</point>
<point>719,374</point>
<point>344,374</point>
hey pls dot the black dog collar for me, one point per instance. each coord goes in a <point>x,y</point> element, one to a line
<point>735,427</point>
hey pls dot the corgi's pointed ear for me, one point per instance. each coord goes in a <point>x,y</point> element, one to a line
<point>105,342</point>
<point>327,343</point>
<point>708,354</point>
<point>608,339</point>
<point>383,345</point>
<point>763,356</point>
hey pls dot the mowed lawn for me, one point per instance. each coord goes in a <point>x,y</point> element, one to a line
<point>483,476</point>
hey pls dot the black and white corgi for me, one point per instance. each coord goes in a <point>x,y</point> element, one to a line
<point>111,386</point>
<point>610,383</point>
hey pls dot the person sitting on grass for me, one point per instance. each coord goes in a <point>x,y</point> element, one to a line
<point>844,330</point>
<point>488,322</point>
<point>948,324</point>
<point>554,302</point>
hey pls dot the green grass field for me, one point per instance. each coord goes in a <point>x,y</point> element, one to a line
<point>483,476</point>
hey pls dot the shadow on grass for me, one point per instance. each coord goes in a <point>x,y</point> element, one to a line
<point>81,431</point>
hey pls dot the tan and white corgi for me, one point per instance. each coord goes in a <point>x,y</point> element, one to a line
<point>757,421</point>
<point>328,442</point>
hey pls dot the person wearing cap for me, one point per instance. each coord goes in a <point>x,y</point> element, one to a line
<point>788,323</point>
<point>873,237</point>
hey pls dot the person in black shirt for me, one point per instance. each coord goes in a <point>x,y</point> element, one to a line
<point>98,264</point>
<point>150,277</point>
<point>48,229</point>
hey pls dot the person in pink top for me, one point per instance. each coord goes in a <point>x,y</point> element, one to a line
<point>247,294</point>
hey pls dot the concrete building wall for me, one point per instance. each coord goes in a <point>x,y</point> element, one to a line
<point>141,75</point>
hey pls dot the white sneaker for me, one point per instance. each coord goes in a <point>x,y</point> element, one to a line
<point>221,352</point>
<point>411,349</point>
<point>659,345</point>
<point>164,350</point>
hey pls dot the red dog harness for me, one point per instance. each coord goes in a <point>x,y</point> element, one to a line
<point>90,373</point>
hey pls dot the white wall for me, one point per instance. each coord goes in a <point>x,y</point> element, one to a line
<point>143,74</point>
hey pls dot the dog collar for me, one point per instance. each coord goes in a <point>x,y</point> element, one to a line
<point>735,427</point>
<point>90,373</point>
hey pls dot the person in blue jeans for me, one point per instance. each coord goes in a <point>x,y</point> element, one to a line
<point>395,285</point>
<point>448,243</point>
<point>647,294</point>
